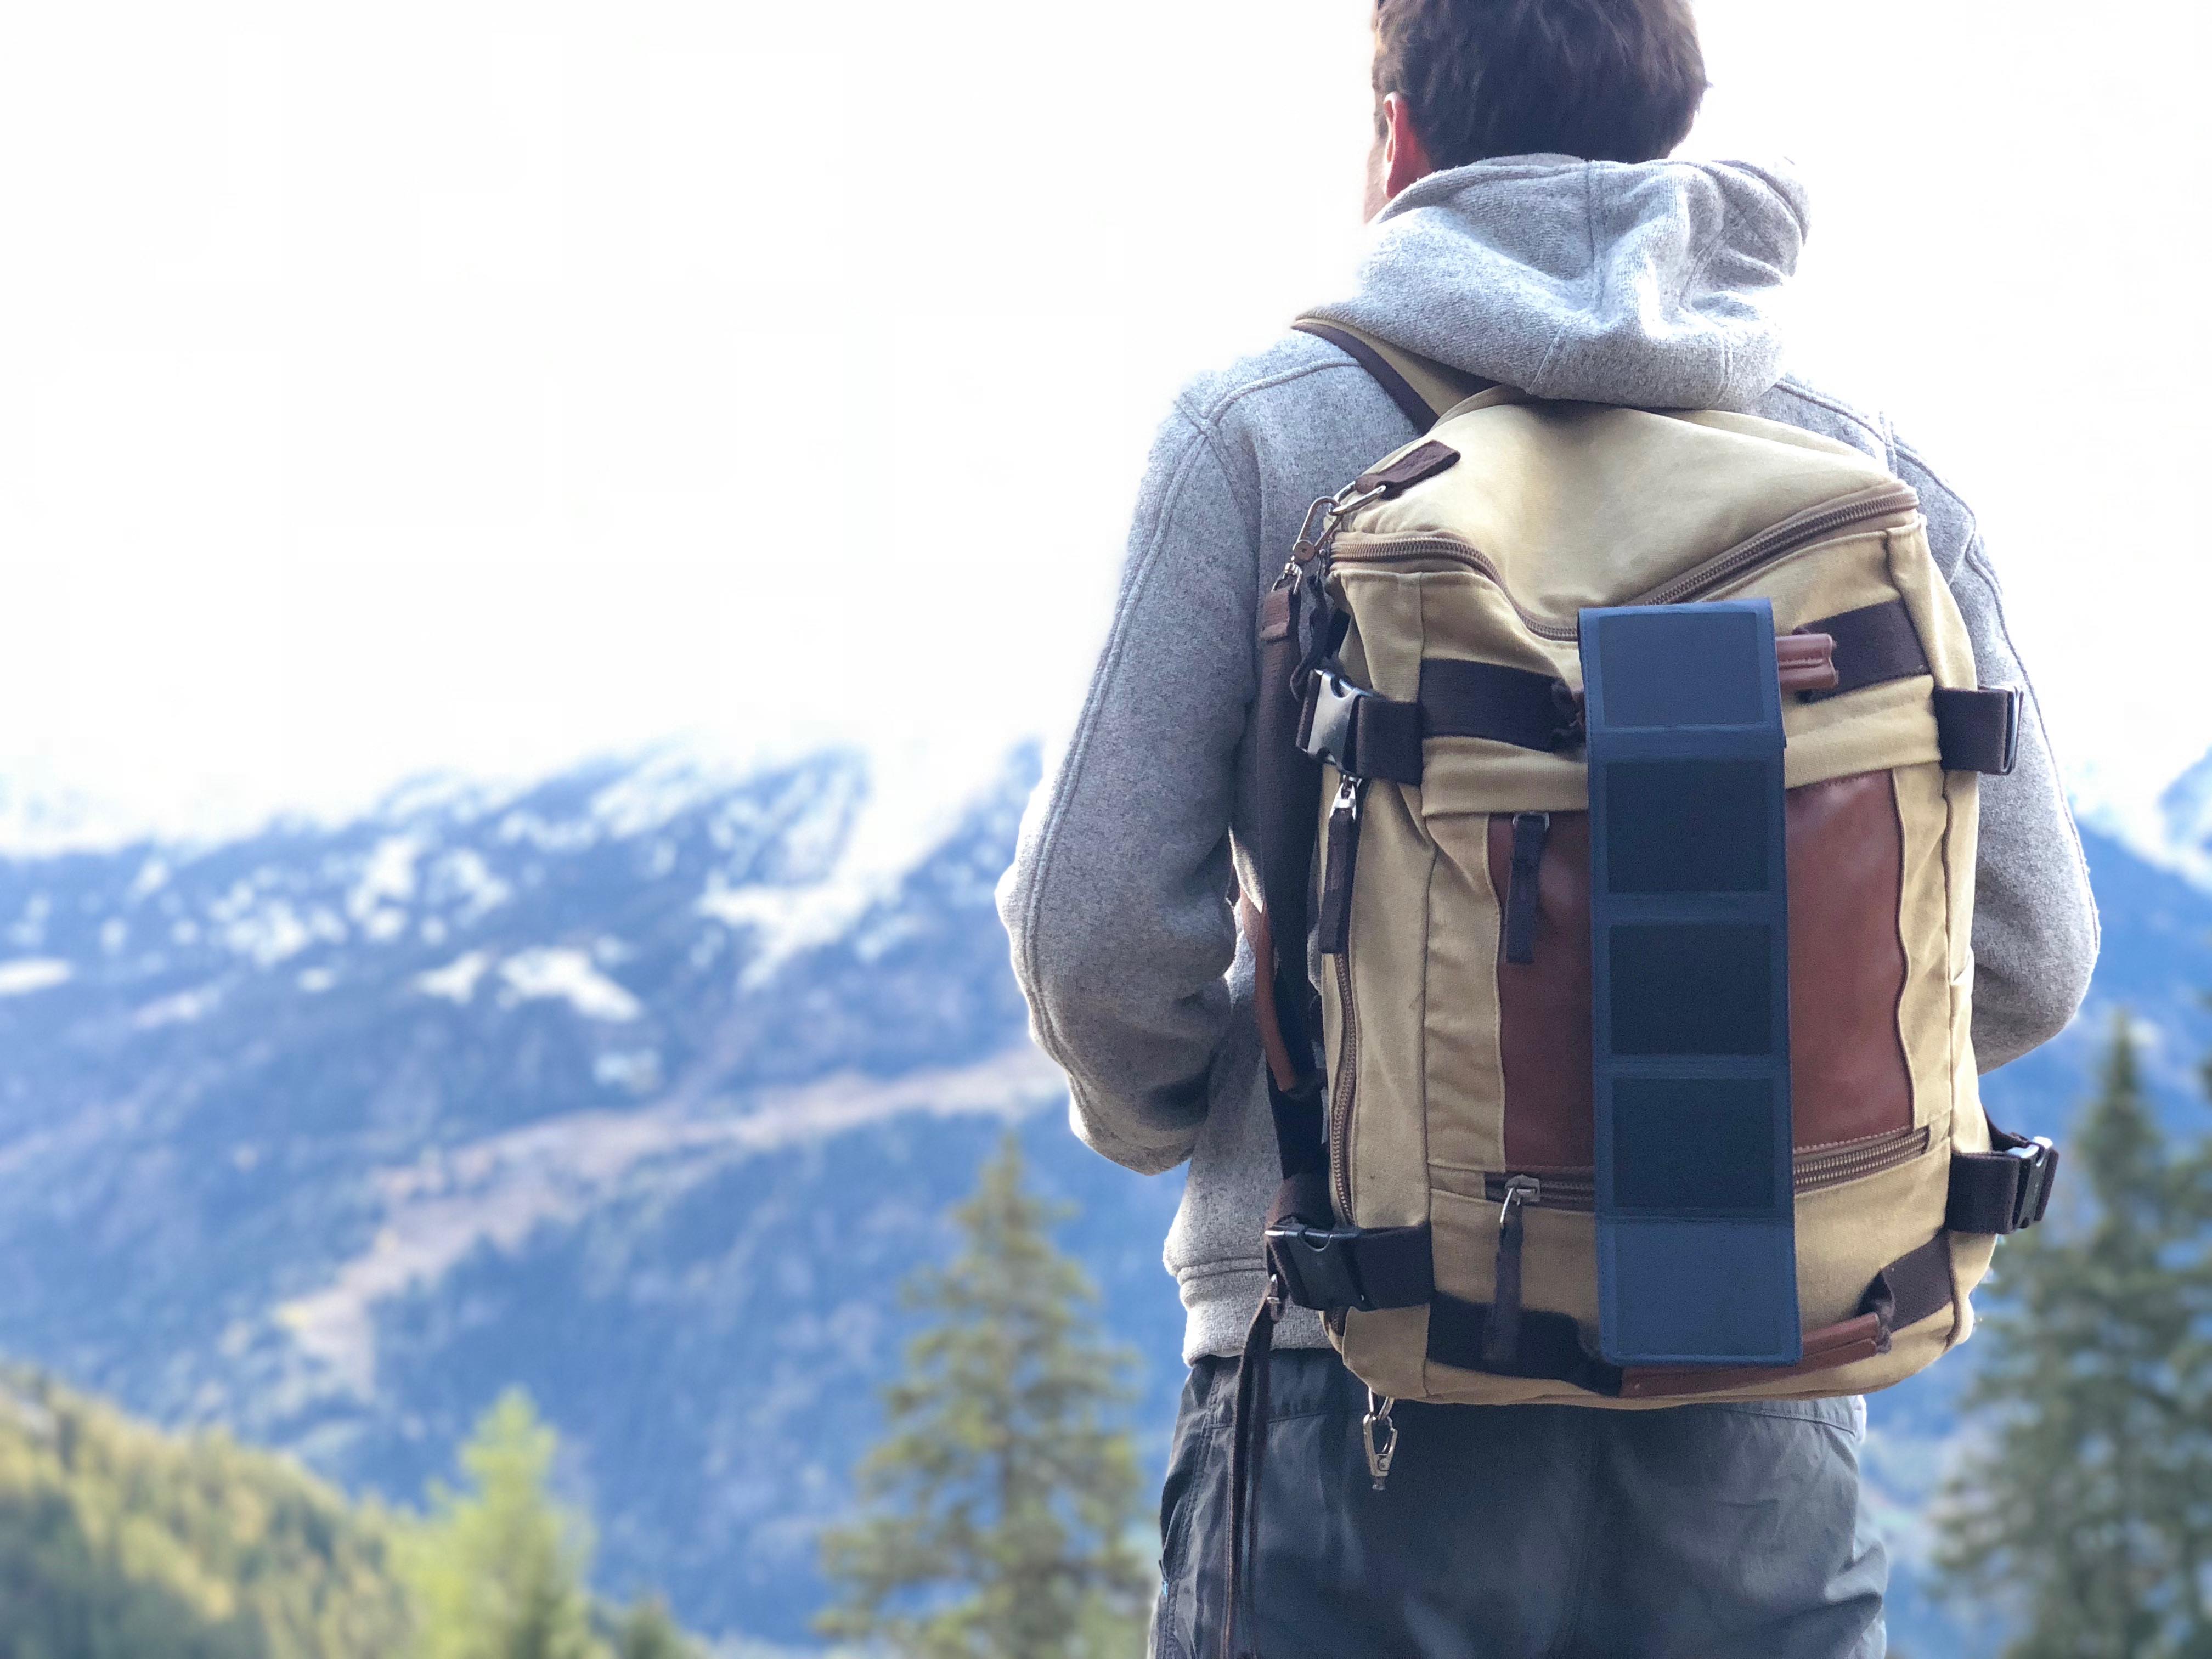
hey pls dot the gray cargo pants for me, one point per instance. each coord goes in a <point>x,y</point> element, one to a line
<point>1525,1532</point>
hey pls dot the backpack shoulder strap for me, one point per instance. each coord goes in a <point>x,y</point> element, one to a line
<point>1422,387</point>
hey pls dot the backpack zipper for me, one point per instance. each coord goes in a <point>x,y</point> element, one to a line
<point>1501,1337</point>
<point>1776,542</point>
<point>1813,1169</point>
<point>1339,866</point>
<point>1530,831</point>
<point>1832,1166</point>
<point>1339,1105</point>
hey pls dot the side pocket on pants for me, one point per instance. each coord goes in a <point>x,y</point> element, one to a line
<point>1189,1465</point>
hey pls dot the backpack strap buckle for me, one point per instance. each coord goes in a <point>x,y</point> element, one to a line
<point>1361,734</point>
<point>2038,1169</point>
<point>1330,731</point>
<point>2004,1190</point>
<point>1316,1267</point>
<point>1362,1268</point>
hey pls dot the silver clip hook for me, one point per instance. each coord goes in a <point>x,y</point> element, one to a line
<point>1379,1455</point>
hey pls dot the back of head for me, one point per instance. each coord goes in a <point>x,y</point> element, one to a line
<point>1600,79</point>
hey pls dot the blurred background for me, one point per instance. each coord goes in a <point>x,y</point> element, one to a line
<point>511,713</point>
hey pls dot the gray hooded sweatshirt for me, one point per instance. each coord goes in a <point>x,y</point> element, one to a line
<point>1645,285</point>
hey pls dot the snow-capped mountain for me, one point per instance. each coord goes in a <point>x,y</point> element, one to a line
<point>641,1087</point>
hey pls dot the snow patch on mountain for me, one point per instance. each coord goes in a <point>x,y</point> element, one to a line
<point>28,973</point>
<point>549,973</point>
<point>181,1009</point>
<point>845,851</point>
<point>2169,826</point>
<point>457,980</point>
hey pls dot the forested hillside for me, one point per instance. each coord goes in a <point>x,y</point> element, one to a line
<point>120,1542</point>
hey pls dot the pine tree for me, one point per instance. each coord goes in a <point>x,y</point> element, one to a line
<point>647,1632</point>
<point>2089,1506</point>
<point>1003,1501</point>
<point>498,1571</point>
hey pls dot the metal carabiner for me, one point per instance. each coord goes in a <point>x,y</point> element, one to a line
<point>1379,1455</point>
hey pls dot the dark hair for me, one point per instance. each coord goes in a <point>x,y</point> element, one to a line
<point>1603,80</point>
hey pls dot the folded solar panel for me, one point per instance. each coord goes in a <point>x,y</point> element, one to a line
<point>1697,1248</point>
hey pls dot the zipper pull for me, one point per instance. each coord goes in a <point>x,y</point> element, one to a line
<point>1383,1453</point>
<point>1501,1337</point>
<point>1339,861</point>
<point>1531,830</point>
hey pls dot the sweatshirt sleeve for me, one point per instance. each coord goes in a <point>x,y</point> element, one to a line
<point>1117,904</point>
<point>2035,920</point>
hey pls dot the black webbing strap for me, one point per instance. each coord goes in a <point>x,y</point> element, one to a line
<point>2004,1190</point>
<point>1414,406</point>
<point>1549,1348</point>
<point>1372,737</point>
<point>1289,804</point>
<point>1914,1287</point>
<point>1507,705</point>
<point>1975,730</point>
<point>1873,645</point>
<point>1978,731</point>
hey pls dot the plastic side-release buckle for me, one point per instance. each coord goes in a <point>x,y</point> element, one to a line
<point>1330,731</point>
<point>2039,1170</point>
<point>1317,1266</point>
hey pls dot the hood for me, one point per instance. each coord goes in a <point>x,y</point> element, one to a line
<point>1651,284</point>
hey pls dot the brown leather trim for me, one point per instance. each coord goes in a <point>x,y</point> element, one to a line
<point>1850,1078</point>
<point>1825,1350</point>
<point>1544,1005</point>
<point>1873,645</point>
<point>1807,662</point>
<point>1425,461</point>
<point>1253,920</point>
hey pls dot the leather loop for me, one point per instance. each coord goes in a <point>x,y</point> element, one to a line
<point>1421,462</point>
<point>1806,661</point>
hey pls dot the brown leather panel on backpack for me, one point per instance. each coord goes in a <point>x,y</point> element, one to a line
<point>1544,1004</point>
<point>1848,1078</point>
<point>1849,1075</point>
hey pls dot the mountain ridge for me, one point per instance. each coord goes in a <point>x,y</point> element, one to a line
<point>643,1086</point>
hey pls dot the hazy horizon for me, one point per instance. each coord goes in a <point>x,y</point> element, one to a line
<point>477,388</point>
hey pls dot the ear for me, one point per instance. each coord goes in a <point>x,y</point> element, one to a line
<point>1405,157</point>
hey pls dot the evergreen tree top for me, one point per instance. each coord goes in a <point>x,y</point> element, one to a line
<point>1002,1499</point>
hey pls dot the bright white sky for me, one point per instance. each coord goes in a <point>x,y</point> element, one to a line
<point>481,386</point>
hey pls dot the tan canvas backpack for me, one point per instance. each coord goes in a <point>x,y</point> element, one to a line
<point>1424,772</point>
